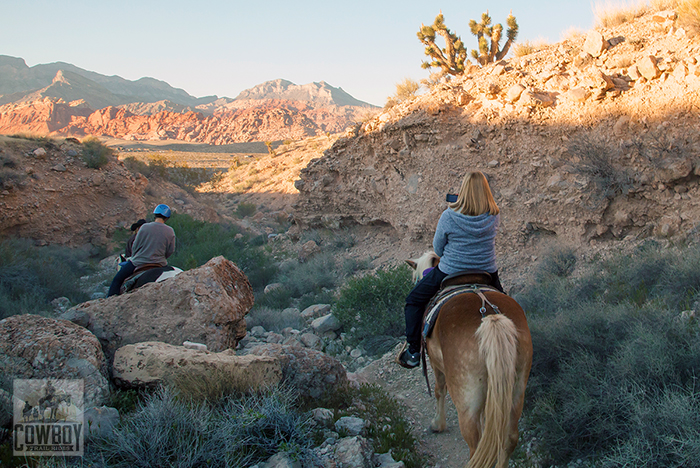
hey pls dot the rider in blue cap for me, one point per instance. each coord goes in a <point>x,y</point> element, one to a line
<point>154,243</point>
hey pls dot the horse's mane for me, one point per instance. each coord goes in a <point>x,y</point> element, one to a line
<point>428,260</point>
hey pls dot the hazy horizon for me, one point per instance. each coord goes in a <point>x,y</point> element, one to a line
<point>222,48</point>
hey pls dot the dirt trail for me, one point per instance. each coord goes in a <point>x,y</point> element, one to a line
<point>447,449</point>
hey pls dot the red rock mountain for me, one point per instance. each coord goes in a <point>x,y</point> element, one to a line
<point>60,99</point>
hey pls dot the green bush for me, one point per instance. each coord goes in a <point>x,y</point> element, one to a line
<point>95,154</point>
<point>615,367</point>
<point>31,277</point>
<point>373,304</point>
<point>199,241</point>
<point>245,209</point>
<point>311,282</point>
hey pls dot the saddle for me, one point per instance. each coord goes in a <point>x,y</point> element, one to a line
<point>143,274</point>
<point>471,281</point>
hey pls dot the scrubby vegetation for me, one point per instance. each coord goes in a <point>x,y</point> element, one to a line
<point>616,358</point>
<point>388,428</point>
<point>372,305</point>
<point>178,173</point>
<point>31,276</point>
<point>406,90</point>
<point>95,154</point>
<point>199,241</point>
<point>314,280</point>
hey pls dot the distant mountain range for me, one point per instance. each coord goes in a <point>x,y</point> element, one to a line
<point>60,98</point>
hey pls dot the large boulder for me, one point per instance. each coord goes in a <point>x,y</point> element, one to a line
<point>153,362</point>
<point>311,372</point>
<point>35,347</point>
<point>204,305</point>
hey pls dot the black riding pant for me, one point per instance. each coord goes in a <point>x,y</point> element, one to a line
<point>123,273</point>
<point>418,299</point>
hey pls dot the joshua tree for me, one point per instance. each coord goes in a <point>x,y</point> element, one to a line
<point>269,148</point>
<point>484,30</point>
<point>450,59</point>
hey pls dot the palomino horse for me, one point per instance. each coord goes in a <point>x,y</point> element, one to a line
<point>483,360</point>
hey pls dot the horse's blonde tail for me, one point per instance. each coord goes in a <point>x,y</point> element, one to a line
<point>498,346</point>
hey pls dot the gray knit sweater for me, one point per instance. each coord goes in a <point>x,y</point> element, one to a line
<point>466,242</point>
<point>153,244</point>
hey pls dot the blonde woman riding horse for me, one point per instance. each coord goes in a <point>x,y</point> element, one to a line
<point>477,338</point>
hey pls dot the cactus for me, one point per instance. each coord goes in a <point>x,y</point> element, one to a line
<point>450,59</point>
<point>483,31</point>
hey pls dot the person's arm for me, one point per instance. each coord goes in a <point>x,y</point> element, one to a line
<point>440,238</point>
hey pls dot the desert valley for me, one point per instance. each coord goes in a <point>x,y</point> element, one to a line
<point>289,200</point>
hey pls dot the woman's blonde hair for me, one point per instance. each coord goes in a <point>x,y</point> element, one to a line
<point>475,196</point>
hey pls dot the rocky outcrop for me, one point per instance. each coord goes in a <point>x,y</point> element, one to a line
<point>311,372</point>
<point>151,363</point>
<point>204,305</point>
<point>567,136</point>
<point>34,347</point>
<point>259,121</point>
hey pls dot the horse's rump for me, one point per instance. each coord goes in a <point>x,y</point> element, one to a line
<point>486,362</point>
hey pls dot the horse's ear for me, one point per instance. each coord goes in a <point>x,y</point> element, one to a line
<point>412,264</point>
<point>436,261</point>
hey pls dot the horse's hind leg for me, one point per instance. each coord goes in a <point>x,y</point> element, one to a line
<point>439,423</point>
<point>470,427</point>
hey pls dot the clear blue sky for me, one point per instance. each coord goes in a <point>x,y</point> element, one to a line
<point>223,47</point>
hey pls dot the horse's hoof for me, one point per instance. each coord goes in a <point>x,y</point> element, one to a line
<point>436,428</point>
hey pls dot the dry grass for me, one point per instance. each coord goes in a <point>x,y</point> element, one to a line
<point>689,15</point>
<point>528,47</point>
<point>572,33</point>
<point>660,5</point>
<point>212,385</point>
<point>613,13</point>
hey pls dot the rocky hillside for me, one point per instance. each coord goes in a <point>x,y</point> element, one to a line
<point>47,193</point>
<point>60,99</point>
<point>592,140</point>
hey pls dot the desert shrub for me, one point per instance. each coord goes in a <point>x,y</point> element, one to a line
<point>614,366</point>
<point>31,277</point>
<point>256,427</point>
<point>313,281</point>
<point>169,430</point>
<point>274,319</point>
<point>405,91</point>
<point>388,429</point>
<point>95,154</point>
<point>163,431</point>
<point>178,173</point>
<point>245,209</point>
<point>200,241</point>
<point>596,162</point>
<point>10,173</point>
<point>558,261</point>
<point>525,48</point>
<point>373,304</point>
